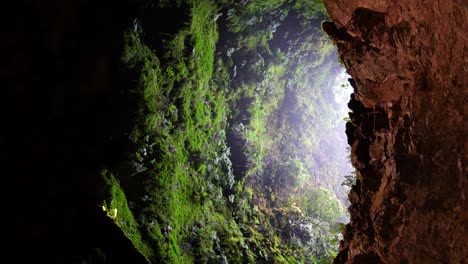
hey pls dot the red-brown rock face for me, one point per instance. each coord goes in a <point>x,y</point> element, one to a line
<point>408,60</point>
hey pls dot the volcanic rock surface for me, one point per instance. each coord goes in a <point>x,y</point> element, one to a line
<point>408,62</point>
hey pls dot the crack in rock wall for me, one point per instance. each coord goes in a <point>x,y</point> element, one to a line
<point>408,62</point>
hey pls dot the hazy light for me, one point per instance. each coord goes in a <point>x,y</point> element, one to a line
<point>342,90</point>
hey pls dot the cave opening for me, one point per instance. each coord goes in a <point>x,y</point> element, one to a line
<point>212,131</point>
<point>231,146</point>
<point>239,144</point>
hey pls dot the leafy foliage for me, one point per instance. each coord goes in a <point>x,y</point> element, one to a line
<point>228,162</point>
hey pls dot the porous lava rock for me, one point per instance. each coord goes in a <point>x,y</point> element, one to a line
<point>408,65</point>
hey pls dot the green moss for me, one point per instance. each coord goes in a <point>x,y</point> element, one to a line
<point>117,208</point>
<point>181,160</point>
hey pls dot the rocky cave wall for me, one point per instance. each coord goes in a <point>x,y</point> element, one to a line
<point>408,65</point>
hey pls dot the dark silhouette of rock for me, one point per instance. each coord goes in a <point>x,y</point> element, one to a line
<point>62,102</point>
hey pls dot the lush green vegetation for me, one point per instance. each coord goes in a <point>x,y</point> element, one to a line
<point>230,161</point>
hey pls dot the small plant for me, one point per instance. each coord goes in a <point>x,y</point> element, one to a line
<point>350,180</point>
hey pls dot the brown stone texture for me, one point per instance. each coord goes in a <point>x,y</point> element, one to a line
<point>408,62</point>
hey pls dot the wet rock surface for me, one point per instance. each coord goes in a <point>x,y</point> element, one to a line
<point>408,136</point>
